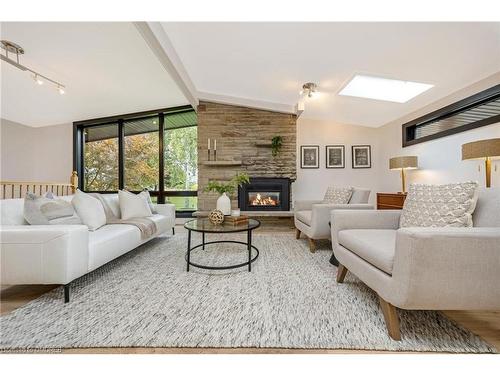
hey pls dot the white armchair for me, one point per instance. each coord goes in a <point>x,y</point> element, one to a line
<point>422,268</point>
<point>312,217</point>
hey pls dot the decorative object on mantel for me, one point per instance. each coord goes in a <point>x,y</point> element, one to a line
<point>224,202</point>
<point>485,149</point>
<point>361,156</point>
<point>309,157</point>
<point>402,163</point>
<point>215,149</point>
<point>335,156</point>
<point>276,144</point>
<point>216,217</point>
<point>208,149</point>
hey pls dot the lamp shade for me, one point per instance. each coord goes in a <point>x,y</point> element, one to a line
<point>401,162</point>
<point>487,148</point>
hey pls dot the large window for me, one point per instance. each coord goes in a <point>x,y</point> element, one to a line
<point>142,160</point>
<point>100,150</point>
<point>180,155</point>
<point>154,150</point>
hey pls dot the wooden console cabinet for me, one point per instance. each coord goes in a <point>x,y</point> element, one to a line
<point>390,201</point>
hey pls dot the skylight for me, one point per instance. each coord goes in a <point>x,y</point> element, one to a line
<point>378,88</point>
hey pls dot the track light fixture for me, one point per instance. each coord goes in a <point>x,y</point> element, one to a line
<point>308,89</point>
<point>11,47</point>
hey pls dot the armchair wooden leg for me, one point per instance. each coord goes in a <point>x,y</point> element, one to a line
<point>297,233</point>
<point>391,319</point>
<point>341,273</point>
<point>312,245</point>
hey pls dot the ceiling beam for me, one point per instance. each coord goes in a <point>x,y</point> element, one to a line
<point>162,47</point>
<point>245,102</point>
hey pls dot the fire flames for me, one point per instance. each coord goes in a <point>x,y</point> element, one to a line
<point>266,201</point>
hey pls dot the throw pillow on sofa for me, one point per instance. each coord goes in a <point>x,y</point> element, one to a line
<point>336,195</point>
<point>147,196</point>
<point>132,205</point>
<point>48,210</point>
<point>449,205</point>
<point>89,209</point>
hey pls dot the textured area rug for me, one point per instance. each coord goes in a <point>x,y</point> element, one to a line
<point>289,300</point>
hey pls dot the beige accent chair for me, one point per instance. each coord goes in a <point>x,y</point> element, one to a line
<point>312,217</point>
<point>422,268</point>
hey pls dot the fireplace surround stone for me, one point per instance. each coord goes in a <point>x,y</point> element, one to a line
<point>242,137</point>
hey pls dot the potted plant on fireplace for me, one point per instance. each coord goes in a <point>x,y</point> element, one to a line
<point>276,144</point>
<point>226,189</point>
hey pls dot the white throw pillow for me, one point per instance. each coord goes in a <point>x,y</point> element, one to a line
<point>89,209</point>
<point>132,205</point>
<point>449,205</point>
<point>48,209</point>
<point>145,194</point>
<point>336,195</point>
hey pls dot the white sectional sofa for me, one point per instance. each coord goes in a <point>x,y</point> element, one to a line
<point>59,254</point>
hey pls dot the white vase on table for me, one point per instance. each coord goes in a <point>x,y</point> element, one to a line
<point>224,204</point>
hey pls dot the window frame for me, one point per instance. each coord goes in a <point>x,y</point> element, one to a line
<point>482,97</point>
<point>119,120</point>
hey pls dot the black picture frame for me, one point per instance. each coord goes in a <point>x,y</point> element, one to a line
<point>327,156</point>
<point>355,158</point>
<point>303,163</point>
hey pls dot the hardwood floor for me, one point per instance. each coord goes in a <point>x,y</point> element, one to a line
<point>486,324</point>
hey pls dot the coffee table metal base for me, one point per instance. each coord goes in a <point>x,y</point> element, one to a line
<point>204,226</point>
<point>202,245</point>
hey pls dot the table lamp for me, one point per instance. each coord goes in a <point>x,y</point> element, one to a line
<point>485,149</point>
<point>402,163</point>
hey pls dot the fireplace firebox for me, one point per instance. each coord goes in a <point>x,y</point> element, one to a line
<point>265,194</point>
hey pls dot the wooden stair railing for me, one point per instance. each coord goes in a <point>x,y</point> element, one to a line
<point>18,189</point>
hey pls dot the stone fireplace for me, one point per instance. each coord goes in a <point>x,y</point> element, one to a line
<point>244,145</point>
<point>265,194</point>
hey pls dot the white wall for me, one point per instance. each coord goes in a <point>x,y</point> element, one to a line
<point>35,154</point>
<point>439,160</point>
<point>312,183</point>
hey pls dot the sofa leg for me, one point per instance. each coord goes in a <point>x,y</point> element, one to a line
<point>341,273</point>
<point>66,293</point>
<point>391,319</point>
<point>312,245</point>
<point>297,234</point>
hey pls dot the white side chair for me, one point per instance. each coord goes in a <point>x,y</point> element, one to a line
<point>422,268</point>
<point>312,217</point>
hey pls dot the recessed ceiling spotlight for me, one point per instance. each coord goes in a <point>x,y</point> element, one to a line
<point>308,89</point>
<point>378,88</point>
<point>61,90</point>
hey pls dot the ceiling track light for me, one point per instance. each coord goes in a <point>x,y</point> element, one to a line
<point>18,50</point>
<point>308,89</point>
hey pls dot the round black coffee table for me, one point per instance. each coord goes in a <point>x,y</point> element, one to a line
<point>205,226</point>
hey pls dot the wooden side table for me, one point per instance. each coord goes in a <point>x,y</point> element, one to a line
<point>390,201</point>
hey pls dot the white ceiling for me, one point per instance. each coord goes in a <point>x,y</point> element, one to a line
<point>270,61</point>
<point>108,69</point>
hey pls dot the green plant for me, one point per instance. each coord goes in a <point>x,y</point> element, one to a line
<point>276,144</point>
<point>228,187</point>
